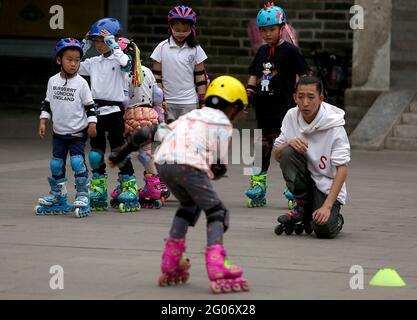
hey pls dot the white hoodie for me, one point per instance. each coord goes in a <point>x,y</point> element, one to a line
<point>197,139</point>
<point>328,144</point>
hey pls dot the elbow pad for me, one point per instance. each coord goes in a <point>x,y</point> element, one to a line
<point>46,106</point>
<point>91,110</point>
<point>128,67</point>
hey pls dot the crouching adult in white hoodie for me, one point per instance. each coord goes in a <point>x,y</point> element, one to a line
<point>314,151</point>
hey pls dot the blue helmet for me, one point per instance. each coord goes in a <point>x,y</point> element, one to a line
<point>68,43</point>
<point>270,15</point>
<point>113,26</point>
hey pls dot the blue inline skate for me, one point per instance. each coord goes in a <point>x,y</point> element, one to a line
<point>290,198</point>
<point>98,192</point>
<point>128,199</point>
<point>56,201</point>
<point>82,198</point>
<point>257,191</point>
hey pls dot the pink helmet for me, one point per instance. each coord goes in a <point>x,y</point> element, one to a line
<point>182,13</point>
<point>123,43</point>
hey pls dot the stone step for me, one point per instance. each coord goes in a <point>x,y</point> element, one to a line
<point>402,144</point>
<point>405,131</point>
<point>409,118</point>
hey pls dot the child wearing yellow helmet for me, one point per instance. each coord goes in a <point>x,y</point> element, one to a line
<point>187,159</point>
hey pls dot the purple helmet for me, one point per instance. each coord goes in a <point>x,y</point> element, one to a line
<point>182,13</point>
<point>68,43</point>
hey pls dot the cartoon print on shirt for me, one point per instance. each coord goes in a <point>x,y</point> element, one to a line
<point>267,76</point>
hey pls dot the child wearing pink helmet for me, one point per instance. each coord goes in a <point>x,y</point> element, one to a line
<point>179,64</point>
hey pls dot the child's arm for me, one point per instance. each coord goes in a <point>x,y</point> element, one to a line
<point>92,120</point>
<point>157,72</point>
<point>135,140</point>
<point>201,82</point>
<point>45,116</point>
<point>90,109</point>
<point>42,128</point>
<point>110,41</point>
<point>251,88</point>
<point>321,216</point>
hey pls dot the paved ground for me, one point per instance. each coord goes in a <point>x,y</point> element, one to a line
<point>113,256</point>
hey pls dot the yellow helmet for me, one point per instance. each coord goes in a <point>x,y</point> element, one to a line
<point>229,89</point>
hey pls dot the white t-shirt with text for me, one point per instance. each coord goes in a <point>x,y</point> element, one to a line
<point>68,99</point>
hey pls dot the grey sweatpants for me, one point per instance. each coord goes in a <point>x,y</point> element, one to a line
<point>302,186</point>
<point>177,110</point>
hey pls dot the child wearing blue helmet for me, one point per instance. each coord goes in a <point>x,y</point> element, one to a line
<point>71,107</point>
<point>108,73</point>
<point>270,88</point>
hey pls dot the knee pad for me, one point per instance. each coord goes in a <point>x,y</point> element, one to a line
<point>96,158</point>
<point>190,214</point>
<point>57,167</point>
<point>218,213</point>
<point>78,164</point>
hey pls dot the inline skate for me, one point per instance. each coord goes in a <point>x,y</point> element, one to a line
<point>295,221</point>
<point>290,198</point>
<point>56,201</point>
<point>257,191</point>
<point>224,277</point>
<point>165,193</point>
<point>98,193</point>
<point>175,264</point>
<point>82,199</point>
<point>128,198</point>
<point>150,196</point>
<point>114,201</point>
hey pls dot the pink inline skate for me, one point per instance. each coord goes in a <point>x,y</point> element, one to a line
<point>114,202</point>
<point>174,265</point>
<point>150,196</point>
<point>164,190</point>
<point>224,277</point>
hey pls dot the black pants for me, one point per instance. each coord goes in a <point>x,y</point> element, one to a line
<point>268,139</point>
<point>300,183</point>
<point>113,124</point>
